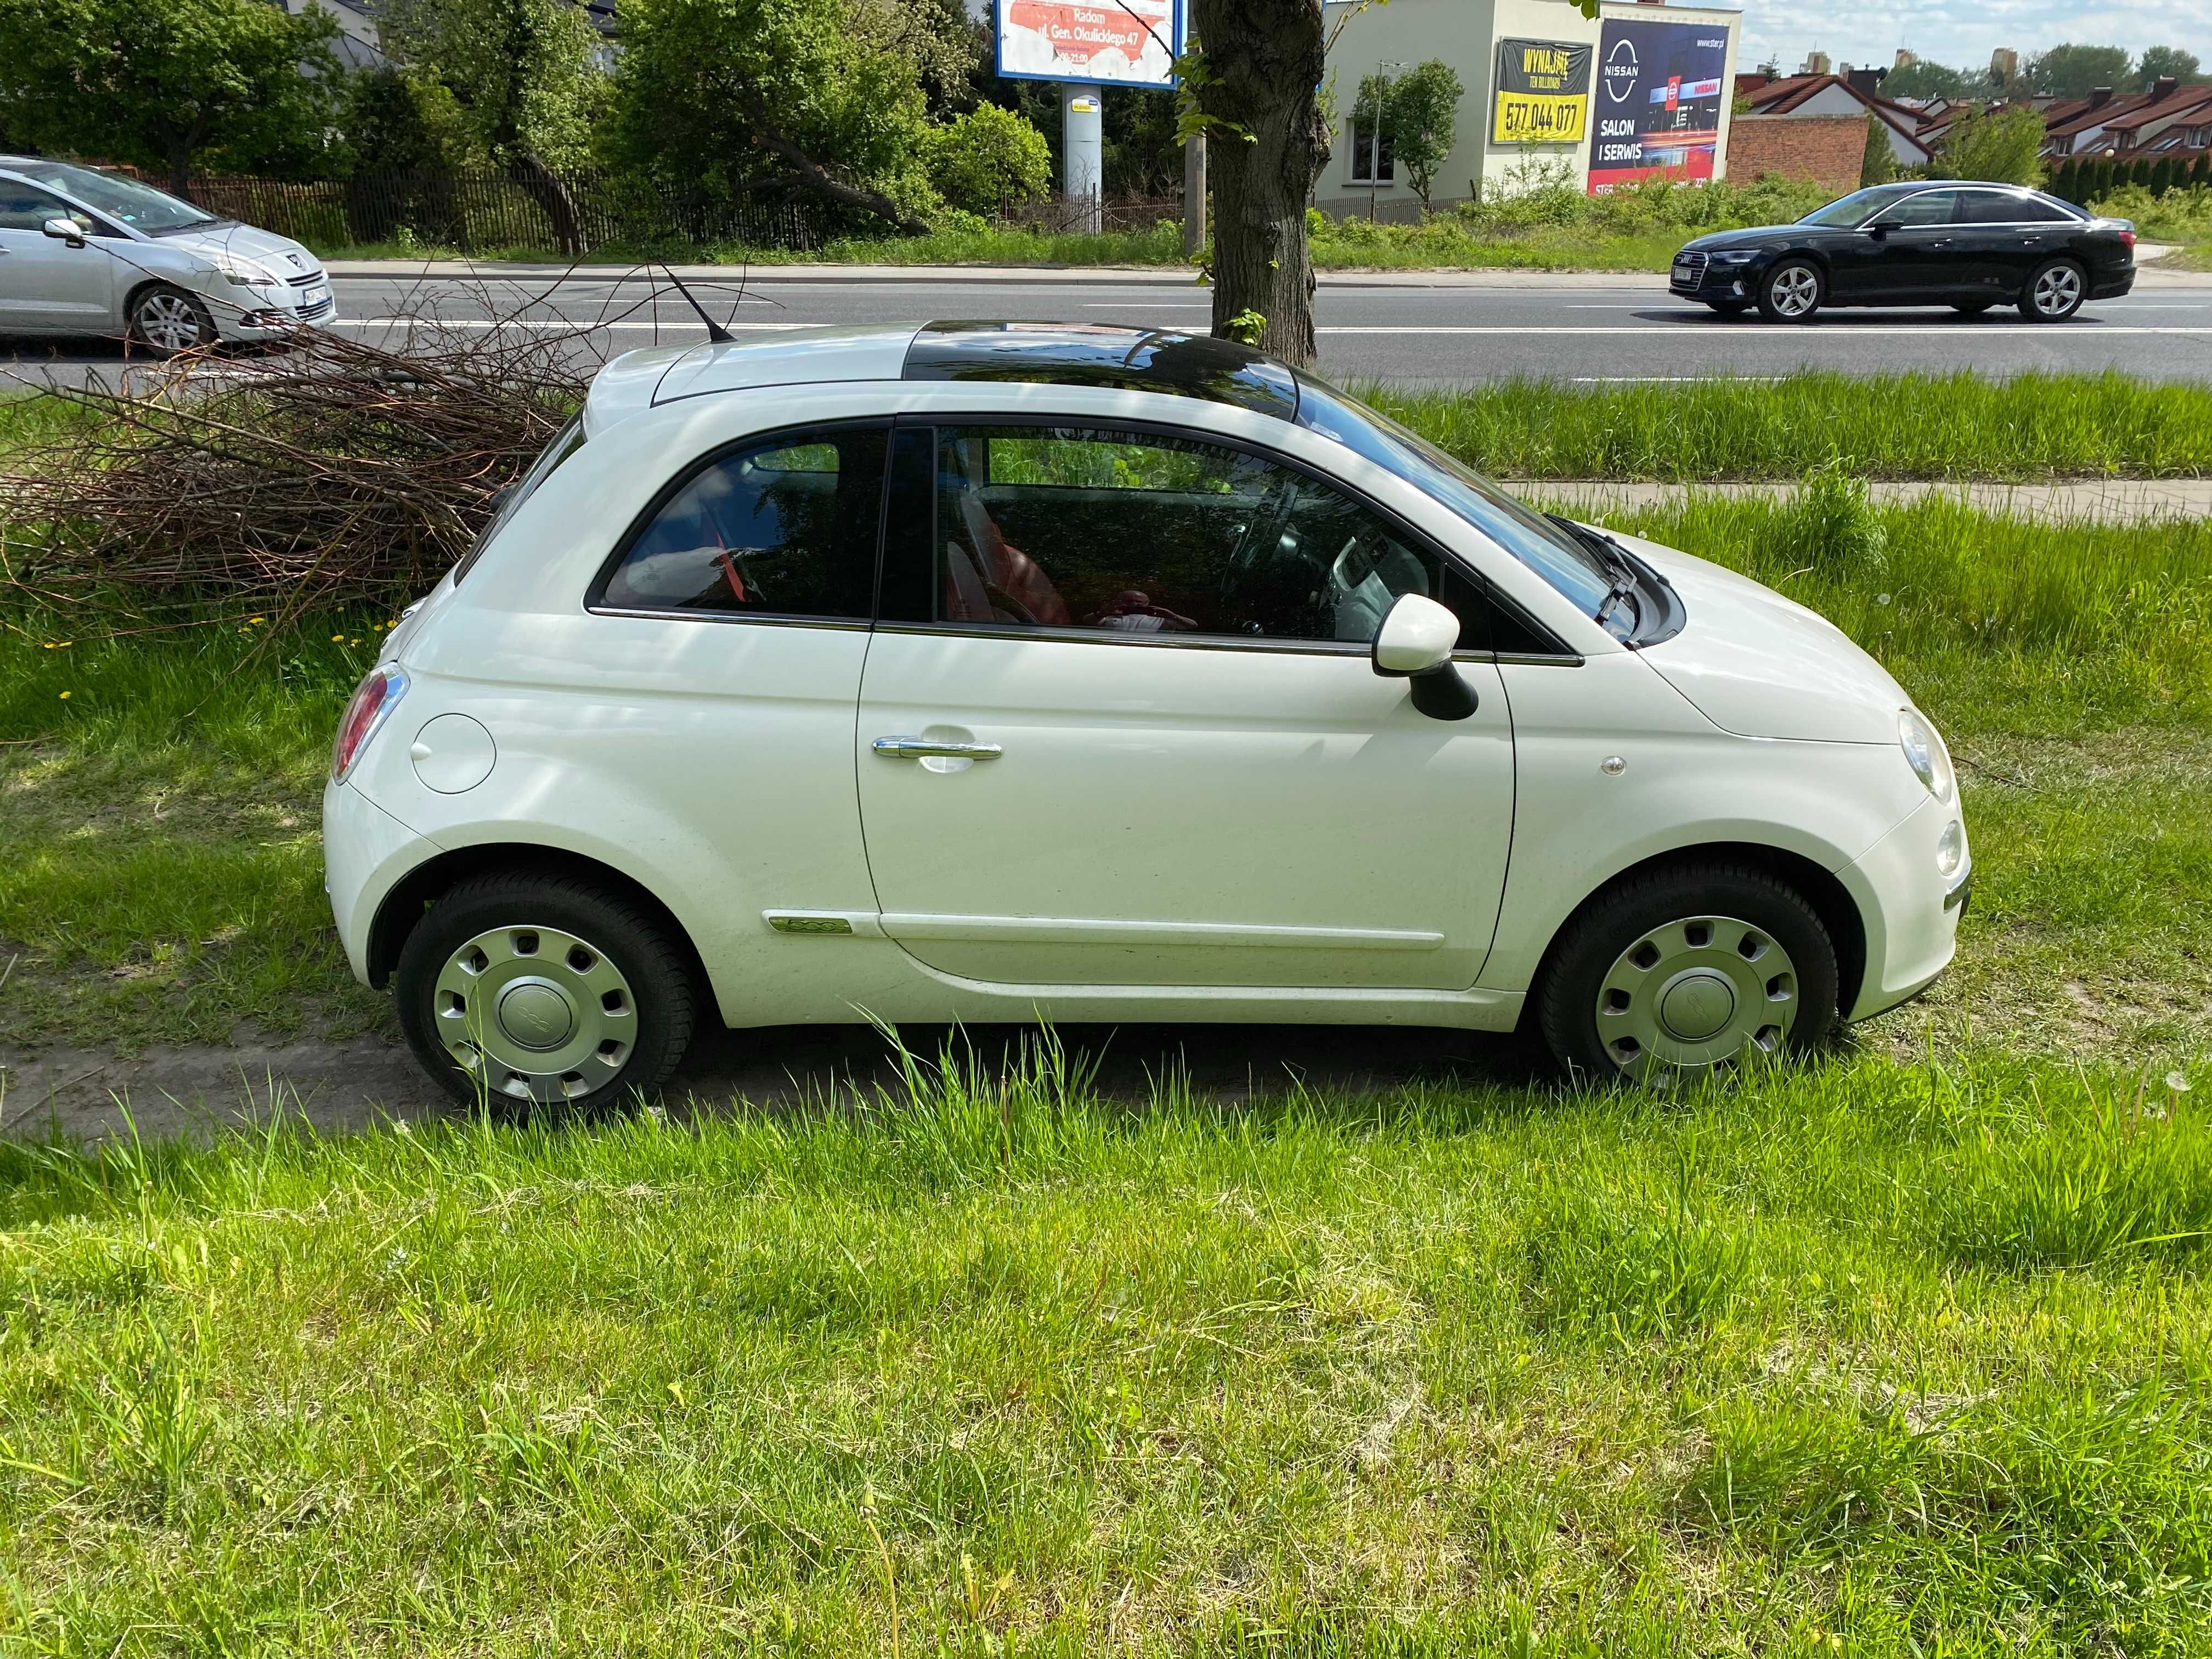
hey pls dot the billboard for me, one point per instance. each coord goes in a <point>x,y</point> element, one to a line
<point>1110,43</point>
<point>1542,92</point>
<point>1662,87</point>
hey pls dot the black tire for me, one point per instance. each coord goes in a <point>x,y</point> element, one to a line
<point>2054,291</point>
<point>606,1056</point>
<point>1730,307</point>
<point>1781,288</point>
<point>164,320</point>
<point>1591,956</point>
<point>1971,307</point>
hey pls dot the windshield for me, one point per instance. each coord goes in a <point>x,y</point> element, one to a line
<point>139,206</point>
<point>1858,207</point>
<point>566,442</point>
<point>1574,568</point>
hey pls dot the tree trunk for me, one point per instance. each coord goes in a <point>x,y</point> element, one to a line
<point>1264,59</point>
<point>544,187</point>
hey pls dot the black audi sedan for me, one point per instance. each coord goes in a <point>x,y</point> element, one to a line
<point>1927,243</point>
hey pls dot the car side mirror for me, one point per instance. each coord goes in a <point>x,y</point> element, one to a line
<point>1877,231</point>
<point>64,230</point>
<point>1415,642</point>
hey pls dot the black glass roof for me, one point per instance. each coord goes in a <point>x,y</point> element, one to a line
<point>1101,354</point>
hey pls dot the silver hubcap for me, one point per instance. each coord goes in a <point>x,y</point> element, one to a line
<point>1794,291</point>
<point>535,1013</point>
<point>1694,995</point>
<point>2058,290</point>
<point>167,322</point>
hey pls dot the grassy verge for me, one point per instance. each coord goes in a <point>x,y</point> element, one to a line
<point>1893,426</point>
<point>161,881</point>
<point>1869,1358</point>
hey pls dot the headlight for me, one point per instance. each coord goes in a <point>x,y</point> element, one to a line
<point>1736,257</point>
<point>240,271</point>
<point>1924,753</point>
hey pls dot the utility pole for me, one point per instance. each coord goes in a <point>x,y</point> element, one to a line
<point>1082,153</point>
<point>1194,194</point>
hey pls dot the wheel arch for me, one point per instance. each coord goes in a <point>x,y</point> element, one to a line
<point>404,908</point>
<point>1819,887</point>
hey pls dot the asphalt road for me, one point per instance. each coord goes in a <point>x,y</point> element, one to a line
<point>1439,331</point>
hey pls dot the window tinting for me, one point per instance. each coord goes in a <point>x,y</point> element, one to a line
<point>1130,359</point>
<point>1929,207</point>
<point>785,526</point>
<point>22,207</point>
<point>1139,534</point>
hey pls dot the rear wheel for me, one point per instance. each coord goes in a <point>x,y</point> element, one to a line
<point>2055,292</point>
<point>167,321</point>
<point>520,990</point>
<point>1685,971</point>
<point>1791,291</point>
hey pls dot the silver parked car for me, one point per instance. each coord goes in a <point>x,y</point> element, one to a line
<point>84,251</point>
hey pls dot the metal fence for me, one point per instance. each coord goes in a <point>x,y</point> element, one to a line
<point>480,213</point>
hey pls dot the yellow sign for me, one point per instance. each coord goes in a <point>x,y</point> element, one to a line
<point>1528,118</point>
<point>1542,92</point>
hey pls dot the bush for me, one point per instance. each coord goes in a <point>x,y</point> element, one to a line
<point>987,159</point>
<point>2176,216</point>
<point>2004,148</point>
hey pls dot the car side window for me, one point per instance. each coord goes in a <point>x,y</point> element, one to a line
<point>1929,207</point>
<point>2029,210</point>
<point>1145,534</point>
<point>24,208</point>
<point>783,526</point>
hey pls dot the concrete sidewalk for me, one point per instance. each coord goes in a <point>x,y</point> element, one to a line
<point>2093,500</point>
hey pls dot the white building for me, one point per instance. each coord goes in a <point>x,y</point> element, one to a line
<point>1640,91</point>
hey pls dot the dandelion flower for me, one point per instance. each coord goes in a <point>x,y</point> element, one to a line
<point>65,696</point>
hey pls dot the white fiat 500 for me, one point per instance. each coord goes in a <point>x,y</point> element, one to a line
<point>1009,670</point>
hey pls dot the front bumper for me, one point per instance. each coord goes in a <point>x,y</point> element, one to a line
<point>1910,908</point>
<point>1699,276</point>
<point>271,317</point>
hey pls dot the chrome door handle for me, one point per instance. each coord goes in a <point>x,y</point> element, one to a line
<point>925,747</point>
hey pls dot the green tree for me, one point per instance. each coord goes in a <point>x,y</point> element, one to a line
<point>522,74</point>
<point>2164,60</point>
<point>744,95</point>
<point>2074,71</point>
<point>1878,165</point>
<point>1422,121</point>
<point>2003,147</point>
<point>983,160</point>
<point>158,82</point>
<point>1922,79</point>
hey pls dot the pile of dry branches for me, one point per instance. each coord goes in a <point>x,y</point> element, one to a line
<point>328,472</point>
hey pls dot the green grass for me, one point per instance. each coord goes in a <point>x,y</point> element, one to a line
<point>1890,426</point>
<point>1866,1359</point>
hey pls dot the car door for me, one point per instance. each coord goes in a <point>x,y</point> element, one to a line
<point>1911,251</point>
<point>1119,724</point>
<point>47,287</point>
<point>1996,242</point>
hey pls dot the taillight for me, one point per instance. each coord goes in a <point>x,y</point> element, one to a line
<point>373,701</point>
<point>2127,238</point>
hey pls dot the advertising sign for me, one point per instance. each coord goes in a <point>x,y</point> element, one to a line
<point>1110,43</point>
<point>1662,87</point>
<point>1543,93</point>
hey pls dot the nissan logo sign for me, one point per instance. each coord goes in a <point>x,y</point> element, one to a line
<point>1620,71</point>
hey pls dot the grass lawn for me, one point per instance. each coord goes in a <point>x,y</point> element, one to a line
<point>1904,1351</point>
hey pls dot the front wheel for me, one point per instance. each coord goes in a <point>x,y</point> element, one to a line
<point>1686,971</point>
<point>1791,291</point>
<point>2054,292</point>
<point>520,989</point>
<point>167,321</point>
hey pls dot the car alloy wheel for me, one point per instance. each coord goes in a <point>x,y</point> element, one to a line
<point>1791,293</point>
<point>169,320</point>
<point>2056,292</point>
<point>1696,993</point>
<point>535,1013</point>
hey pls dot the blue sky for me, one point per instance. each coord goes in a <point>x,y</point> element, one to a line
<point>1964,32</point>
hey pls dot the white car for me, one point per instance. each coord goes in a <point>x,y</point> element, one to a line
<point>87,253</point>
<point>1006,671</point>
